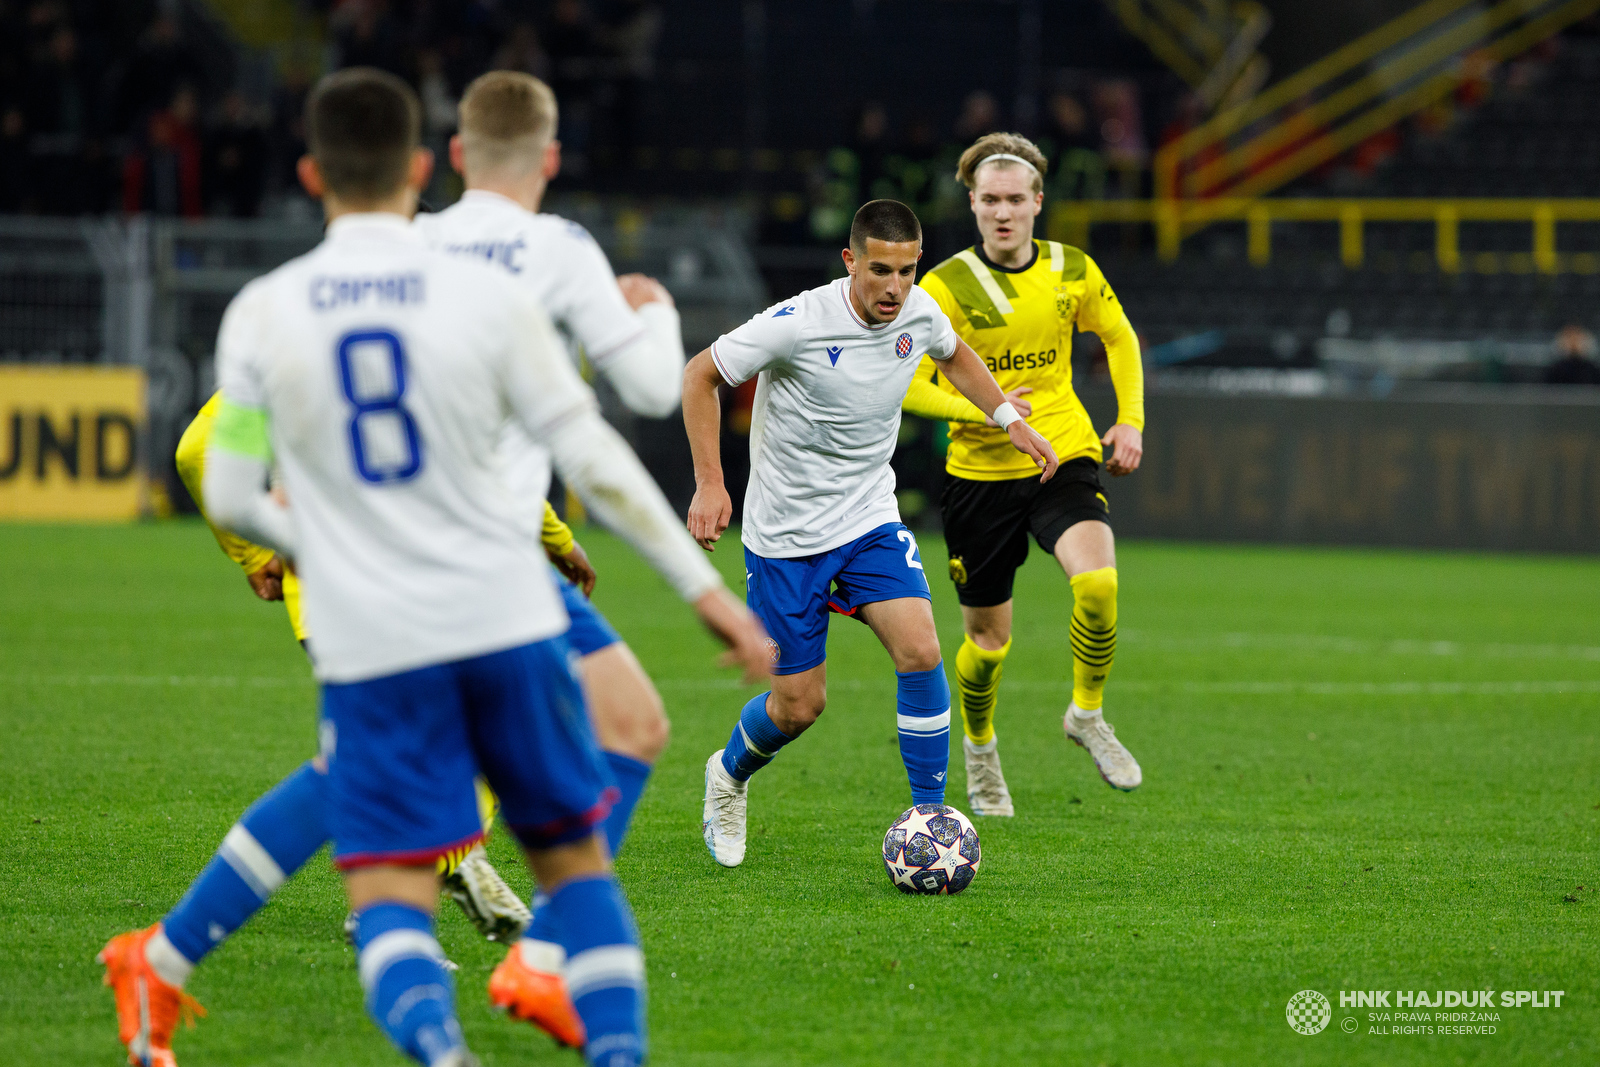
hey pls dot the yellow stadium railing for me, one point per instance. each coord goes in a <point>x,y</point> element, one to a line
<point>1070,221</point>
<point>1211,44</point>
<point>1356,91</point>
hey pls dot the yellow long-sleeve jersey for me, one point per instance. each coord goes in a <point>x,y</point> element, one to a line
<point>1020,323</point>
<point>191,461</point>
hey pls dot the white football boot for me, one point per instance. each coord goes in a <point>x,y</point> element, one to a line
<point>486,900</point>
<point>722,821</point>
<point>1114,762</point>
<point>986,786</point>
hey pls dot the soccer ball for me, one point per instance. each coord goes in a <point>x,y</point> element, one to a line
<point>931,849</point>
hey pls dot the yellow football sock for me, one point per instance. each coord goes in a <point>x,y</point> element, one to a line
<point>1094,634</point>
<point>488,807</point>
<point>978,679</point>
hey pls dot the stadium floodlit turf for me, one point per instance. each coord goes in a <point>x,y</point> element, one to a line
<point>1363,771</point>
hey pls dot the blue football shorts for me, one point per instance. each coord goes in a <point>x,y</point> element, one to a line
<point>403,752</point>
<point>590,631</point>
<point>793,597</point>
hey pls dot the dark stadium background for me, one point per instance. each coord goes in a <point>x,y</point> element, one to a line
<point>1431,384</point>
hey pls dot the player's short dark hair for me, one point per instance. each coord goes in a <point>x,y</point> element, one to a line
<point>884,220</point>
<point>362,125</point>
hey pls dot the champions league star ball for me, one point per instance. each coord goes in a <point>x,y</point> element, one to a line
<point>931,849</point>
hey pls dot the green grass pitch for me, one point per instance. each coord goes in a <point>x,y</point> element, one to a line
<point>1363,770</point>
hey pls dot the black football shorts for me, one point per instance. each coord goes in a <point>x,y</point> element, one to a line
<point>986,524</point>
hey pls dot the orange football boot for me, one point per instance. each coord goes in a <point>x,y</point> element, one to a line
<point>148,1009</point>
<point>538,997</point>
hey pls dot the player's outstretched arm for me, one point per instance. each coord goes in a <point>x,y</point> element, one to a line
<point>647,371</point>
<point>600,467</point>
<point>1100,313</point>
<point>712,508</point>
<point>928,401</point>
<point>968,374</point>
<point>556,409</point>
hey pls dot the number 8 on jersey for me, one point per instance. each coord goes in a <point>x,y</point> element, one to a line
<point>383,435</point>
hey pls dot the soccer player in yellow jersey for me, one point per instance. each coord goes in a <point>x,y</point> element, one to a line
<point>1016,301</point>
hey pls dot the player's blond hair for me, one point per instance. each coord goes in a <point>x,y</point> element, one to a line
<point>506,120</point>
<point>994,144</point>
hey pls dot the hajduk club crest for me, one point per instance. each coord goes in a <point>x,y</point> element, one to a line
<point>902,345</point>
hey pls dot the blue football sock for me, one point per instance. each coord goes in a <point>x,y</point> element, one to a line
<point>631,776</point>
<point>271,841</point>
<point>409,995</point>
<point>605,969</point>
<point>756,739</point>
<point>923,716</point>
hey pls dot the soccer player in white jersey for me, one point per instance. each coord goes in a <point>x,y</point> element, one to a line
<point>506,153</point>
<point>377,375</point>
<point>822,531</point>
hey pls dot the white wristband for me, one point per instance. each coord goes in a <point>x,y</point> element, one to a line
<point>1005,415</point>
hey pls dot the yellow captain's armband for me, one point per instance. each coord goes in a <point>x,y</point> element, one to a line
<point>556,535</point>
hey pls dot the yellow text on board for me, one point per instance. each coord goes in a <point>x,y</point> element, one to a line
<point>69,442</point>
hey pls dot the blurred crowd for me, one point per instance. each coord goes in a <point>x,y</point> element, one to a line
<point>110,105</point>
<point>135,105</point>
<point>1093,133</point>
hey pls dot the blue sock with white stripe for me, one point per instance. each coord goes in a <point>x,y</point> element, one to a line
<point>923,716</point>
<point>604,970</point>
<point>631,776</point>
<point>409,995</point>
<point>271,841</point>
<point>756,739</point>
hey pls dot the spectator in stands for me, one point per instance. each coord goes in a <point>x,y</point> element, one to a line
<point>869,141</point>
<point>60,103</point>
<point>980,114</point>
<point>366,34</point>
<point>1077,170</point>
<point>163,61</point>
<point>522,51</point>
<point>162,174</point>
<point>1576,349</point>
<point>13,161</point>
<point>631,37</point>
<point>288,136</point>
<point>235,164</point>
<point>569,38</point>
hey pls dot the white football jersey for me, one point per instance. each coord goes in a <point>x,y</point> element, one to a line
<point>388,370</point>
<point>555,258</point>
<point>827,414</point>
<point>557,261</point>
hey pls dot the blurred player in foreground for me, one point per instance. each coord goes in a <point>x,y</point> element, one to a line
<point>822,531</point>
<point>507,154</point>
<point>1015,301</point>
<point>642,355</point>
<point>221,898</point>
<point>378,374</point>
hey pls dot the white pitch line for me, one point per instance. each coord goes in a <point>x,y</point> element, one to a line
<point>174,680</point>
<point>1355,646</point>
<point>1280,688</point>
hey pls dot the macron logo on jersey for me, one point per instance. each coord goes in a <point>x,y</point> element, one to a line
<point>833,355</point>
<point>781,312</point>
